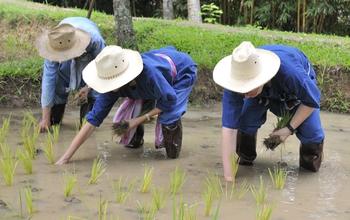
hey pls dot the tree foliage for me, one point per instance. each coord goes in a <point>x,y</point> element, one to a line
<point>319,16</point>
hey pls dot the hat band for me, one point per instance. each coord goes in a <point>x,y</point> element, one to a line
<point>110,77</point>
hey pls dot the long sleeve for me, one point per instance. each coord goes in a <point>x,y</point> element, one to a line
<point>49,83</point>
<point>102,107</point>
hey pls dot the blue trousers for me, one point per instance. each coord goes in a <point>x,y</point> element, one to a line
<point>62,85</point>
<point>254,115</point>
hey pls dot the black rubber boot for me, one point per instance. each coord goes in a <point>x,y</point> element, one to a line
<point>246,148</point>
<point>311,155</point>
<point>85,108</point>
<point>172,139</point>
<point>137,140</point>
<point>57,112</point>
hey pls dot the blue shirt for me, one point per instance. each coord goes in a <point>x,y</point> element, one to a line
<point>51,69</point>
<point>155,82</point>
<point>295,79</point>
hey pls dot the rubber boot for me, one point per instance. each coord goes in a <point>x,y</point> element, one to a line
<point>85,108</point>
<point>172,139</point>
<point>57,112</point>
<point>311,156</point>
<point>137,140</point>
<point>246,148</point>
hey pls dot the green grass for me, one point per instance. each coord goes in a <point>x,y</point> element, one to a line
<point>278,177</point>
<point>69,180</point>
<point>25,158</point>
<point>206,43</point>
<point>97,170</point>
<point>177,179</point>
<point>146,180</point>
<point>122,189</point>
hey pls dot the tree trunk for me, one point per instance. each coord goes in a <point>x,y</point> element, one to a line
<point>168,9</point>
<point>194,11</point>
<point>124,28</point>
<point>304,16</point>
<point>252,13</point>
<point>91,7</point>
<point>298,16</point>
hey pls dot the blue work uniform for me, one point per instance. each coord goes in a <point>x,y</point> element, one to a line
<point>155,82</point>
<point>294,83</point>
<point>60,78</point>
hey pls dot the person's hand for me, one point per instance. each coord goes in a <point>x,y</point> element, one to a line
<point>283,133</point>
<point>62,161</point>
<point>228,178</point>
<point>133,123</point>
<point>82,95</point>
<point>44,125</point>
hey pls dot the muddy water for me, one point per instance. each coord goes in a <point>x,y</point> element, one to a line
<point>322,195</point>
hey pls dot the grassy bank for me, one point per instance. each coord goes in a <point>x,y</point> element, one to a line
<point>21,21</point>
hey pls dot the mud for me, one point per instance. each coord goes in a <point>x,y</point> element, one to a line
<point>319,196</point>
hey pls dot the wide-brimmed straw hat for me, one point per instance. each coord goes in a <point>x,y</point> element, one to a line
<point>112,68</point>
<point>62,43</point>
<point>246,69</point>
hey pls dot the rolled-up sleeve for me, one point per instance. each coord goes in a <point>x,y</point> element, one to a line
<point>231,109</point>
<point>48,86</point>
<point>102,107</point>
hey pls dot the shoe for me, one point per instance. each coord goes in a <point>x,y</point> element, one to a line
<point>172,139</point>
<point>137,140</point>
<point>246,148</point>
<point>57,112</point>
<point>310,156</point>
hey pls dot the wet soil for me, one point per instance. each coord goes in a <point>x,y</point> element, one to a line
<point>316,196</point>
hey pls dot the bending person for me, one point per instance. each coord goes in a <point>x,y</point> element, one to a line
<point>164,75</point>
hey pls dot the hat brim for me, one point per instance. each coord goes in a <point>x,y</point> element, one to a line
<point>100,85</point>
<point>222,73</point>
<point>82,40</point>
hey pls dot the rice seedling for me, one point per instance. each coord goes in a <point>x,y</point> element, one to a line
<point>259,194</point>
<point>26,160</point>
<point>4,129</point>
<point>158,198</point>
<point>147,179</point>
<point>30,133</point>
<point>29,200</point>
<point>273,141</point>
<point>7,167</point>
<point>217,211</point>
<point>5,150</point>
<point>49,148</point>
<point>242,190</point>
<point>97,170</point>
<point>69,179</point>
<point>185,211</point>
<point>264,212</point>
<point>278,177</point>
<point>208,197</point>
<point>189,212</point>
<point>54,133</point>
<point>122,190</point>
<point>234,159</point>
<point>213,182</point>
<point>102,209</point>
<point>74,218</point>
<point>177,179</point>
<point>146,212</point>
<point>20,204</point>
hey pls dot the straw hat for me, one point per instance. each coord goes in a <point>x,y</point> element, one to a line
<point>63,42</point>
<point>246,69</point>
<point>112,68</point>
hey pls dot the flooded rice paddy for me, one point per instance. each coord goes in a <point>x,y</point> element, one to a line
<point>319,196</point>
